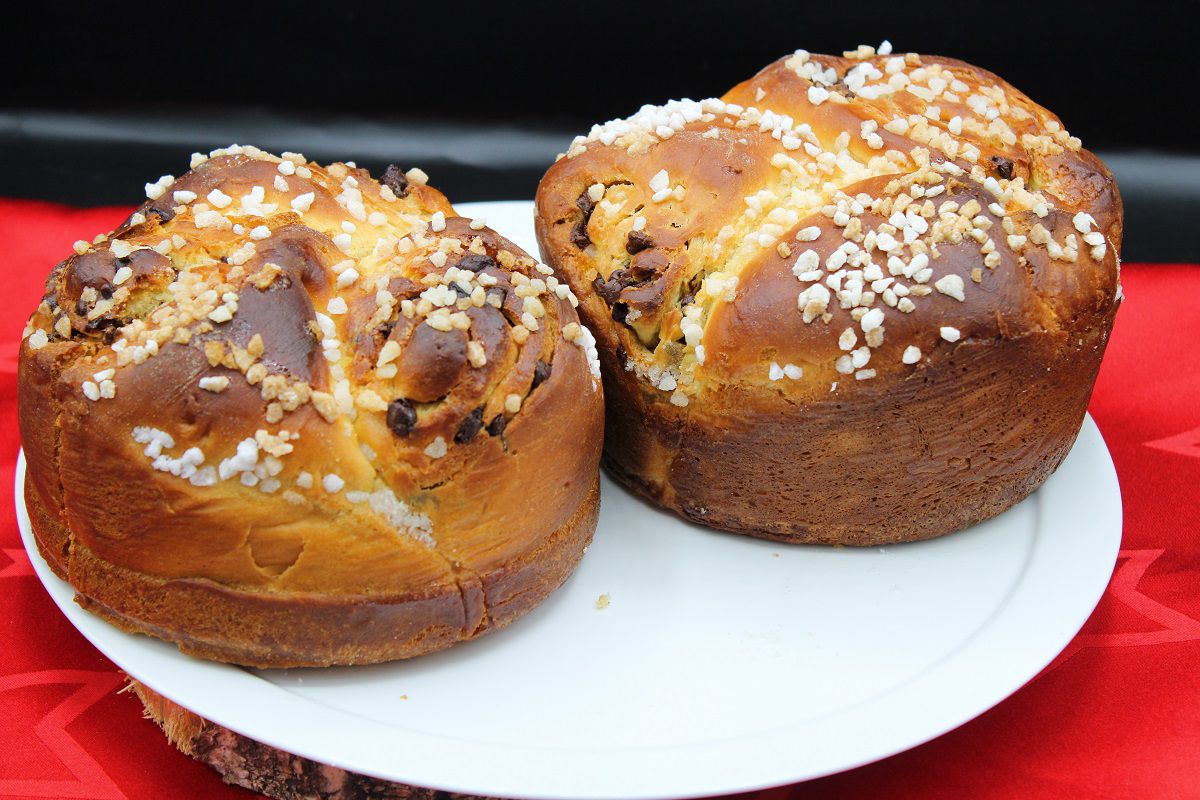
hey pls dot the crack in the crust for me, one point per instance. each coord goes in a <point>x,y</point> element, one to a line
<point>484,622</point>
<point>458,572</point>
<point>552,334</point>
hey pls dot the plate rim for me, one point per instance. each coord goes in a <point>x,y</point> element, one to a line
<point>941,712</point>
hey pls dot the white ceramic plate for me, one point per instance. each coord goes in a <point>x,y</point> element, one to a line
<point>722,663</point>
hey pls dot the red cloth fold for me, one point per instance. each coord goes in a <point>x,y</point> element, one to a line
<point>1116,715</point>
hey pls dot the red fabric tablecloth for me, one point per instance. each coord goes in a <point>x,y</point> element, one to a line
<point>1116,715</point>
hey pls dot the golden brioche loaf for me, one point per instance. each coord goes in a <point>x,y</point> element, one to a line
<point>857,299</point>
<point>289,415</point>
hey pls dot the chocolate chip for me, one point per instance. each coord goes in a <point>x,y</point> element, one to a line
<point>101,324</point>
<point>608,290</point>
<point>475,262</point>
<point>106,291</point>
<point>497,425</point>
<point>401,417</point>
<point>1004,167</point>
<point>637,242</point>
<point>470,426</point>
<point>395,179</point>
<point>460,291</point>
<point>81,308</point>
<point>164,214</point>
<point>579,234</point>
<point>620,311</point>
<point>540,372</point>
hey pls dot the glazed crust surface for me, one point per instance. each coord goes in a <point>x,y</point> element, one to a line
<point>289,415</point>
<point>856,300</point>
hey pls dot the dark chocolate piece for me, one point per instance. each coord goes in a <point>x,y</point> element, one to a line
<point>497,425</point>
<point>608,290</point>
<point>637,242</point>
<point>475,263</point>
<point>579,234</point>
<point>395,179</point>
<point>1004,167</point>
<point>470,426</point>
<point>540,372</point>
<point>401,417</point>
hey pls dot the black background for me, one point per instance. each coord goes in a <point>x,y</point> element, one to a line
<point>99,98</point>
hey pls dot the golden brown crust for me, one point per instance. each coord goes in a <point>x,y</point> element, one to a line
<point>306,629</point>
<point>289,417</point>
<point>817,298</point>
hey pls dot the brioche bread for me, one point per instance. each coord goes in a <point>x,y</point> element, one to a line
<point>855,300</point>
<point>288,415</point>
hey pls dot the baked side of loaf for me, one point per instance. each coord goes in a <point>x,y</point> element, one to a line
<point>288,414</point>
<point>857,299</point>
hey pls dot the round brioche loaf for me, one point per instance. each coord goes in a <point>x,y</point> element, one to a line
<point>288,415</point>
<point>855,300</point>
